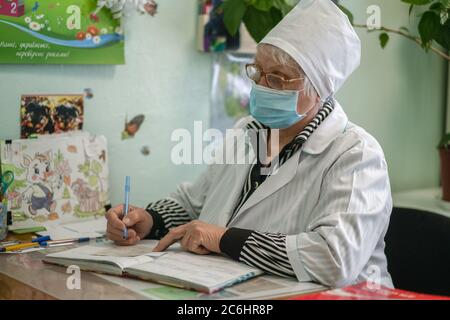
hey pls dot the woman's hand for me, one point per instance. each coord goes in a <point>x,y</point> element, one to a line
<point>138,222</point>
<point>196,236</point>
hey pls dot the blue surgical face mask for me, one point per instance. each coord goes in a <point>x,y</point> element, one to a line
<point>275,108</point>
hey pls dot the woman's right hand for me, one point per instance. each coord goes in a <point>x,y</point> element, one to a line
<point>138,223</point>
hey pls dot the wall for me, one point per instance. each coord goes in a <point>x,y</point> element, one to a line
<point>398,95</point>
<point>164,77</point>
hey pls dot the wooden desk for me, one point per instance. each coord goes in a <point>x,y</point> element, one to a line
<point>25,276</point>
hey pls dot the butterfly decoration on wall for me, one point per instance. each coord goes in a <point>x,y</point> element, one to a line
<point>132,127</point>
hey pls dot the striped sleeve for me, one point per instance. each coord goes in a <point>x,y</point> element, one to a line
<point>266,251</point>
<point>166,214</point>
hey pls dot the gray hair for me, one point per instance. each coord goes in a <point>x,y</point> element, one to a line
<point>280,56</point>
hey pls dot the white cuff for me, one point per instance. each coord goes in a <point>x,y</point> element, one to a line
<point>294,258</point>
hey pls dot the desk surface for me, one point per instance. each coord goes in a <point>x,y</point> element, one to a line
<point>429,200</point>
<point>25,276</point>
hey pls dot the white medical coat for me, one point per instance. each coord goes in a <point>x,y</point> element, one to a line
<point>332,199</point>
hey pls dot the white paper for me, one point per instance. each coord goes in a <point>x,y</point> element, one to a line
<point>89,252</point>
<point>208,270</point>
<point>84,229</point>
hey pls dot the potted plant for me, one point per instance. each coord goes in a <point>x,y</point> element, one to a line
<point>432,34</point>
<point>444,154</point>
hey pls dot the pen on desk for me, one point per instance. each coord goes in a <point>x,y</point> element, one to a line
<point>41,239</point>
<point>64,241</point>
<point>8,243</point>
<point>126,204</point>
<point>19,246</point>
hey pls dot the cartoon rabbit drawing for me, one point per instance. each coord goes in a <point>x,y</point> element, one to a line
<point>41,178</point>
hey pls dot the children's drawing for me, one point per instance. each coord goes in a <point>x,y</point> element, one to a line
<point>46,114</point>
<point>57,178</point>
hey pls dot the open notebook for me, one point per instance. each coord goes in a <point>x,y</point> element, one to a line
<point>175,267</point>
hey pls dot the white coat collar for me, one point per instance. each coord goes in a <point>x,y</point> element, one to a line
<point>328,130</point>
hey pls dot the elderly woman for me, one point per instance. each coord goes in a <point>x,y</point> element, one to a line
<point>317,206</point>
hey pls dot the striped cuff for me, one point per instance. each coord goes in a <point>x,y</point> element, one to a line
<point>266,251</point>
<point>232,242</point>
<point>158,230</point>
<point>166,214</point>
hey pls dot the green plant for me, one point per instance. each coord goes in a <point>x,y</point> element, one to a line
<point>445,142</point>
<point>433,28</point>
<point>260,16</point>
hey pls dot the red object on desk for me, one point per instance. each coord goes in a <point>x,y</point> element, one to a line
<point>12,8</point>
<point>366,291</point>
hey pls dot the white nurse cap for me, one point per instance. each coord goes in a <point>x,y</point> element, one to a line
<point>321,39</point>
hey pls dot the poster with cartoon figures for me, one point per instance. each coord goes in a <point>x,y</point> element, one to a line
<point>61,32</point>
<point>58,178</point>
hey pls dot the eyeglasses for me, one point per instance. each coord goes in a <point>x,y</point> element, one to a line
<point>275,81</point>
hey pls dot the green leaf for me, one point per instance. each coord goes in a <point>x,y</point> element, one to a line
<point>429,28</point>
<point>443,36</point>
<point>292,3</point>
<point>445,3</point>
<point>411,7</point>
<point>384,39</point>
<point>418,2</point>
<point>233,13</point>
<point>263,5</point>
<point>438,8</point>
<point>445,141</point>
<point>347,12</point>
<point>283,6</point>
<point>259,23</point>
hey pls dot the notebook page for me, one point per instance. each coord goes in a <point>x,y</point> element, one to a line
<point>209,271</point>
<point>109,252</point>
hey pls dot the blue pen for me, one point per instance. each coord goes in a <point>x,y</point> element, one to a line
<point>64,242</point>
<point>126,204</point>
<point>41,239</point>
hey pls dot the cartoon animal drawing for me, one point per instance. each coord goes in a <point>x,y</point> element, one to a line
<point>42,180</point>
<point>88,198</point>
<point>36,119</point>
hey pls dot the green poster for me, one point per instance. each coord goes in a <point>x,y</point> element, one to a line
<point>59,32</point>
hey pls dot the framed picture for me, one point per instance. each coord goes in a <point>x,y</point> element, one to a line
<point>47,114</point>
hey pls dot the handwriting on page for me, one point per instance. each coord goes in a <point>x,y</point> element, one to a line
<point>127,251</point>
